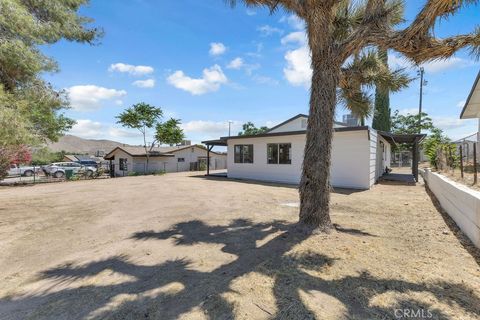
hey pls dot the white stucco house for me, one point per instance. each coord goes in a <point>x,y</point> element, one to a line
<point>168,159</point>
<point>360,155</point>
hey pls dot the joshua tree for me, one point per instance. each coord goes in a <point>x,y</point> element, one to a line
<point>330,48</point>
<point>365,71</point>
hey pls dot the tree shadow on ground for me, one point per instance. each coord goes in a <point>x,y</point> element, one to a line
<point>145,294</point>
<point>462,238</point>
<point>344,191</point>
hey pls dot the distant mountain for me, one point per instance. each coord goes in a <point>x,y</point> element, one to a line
<point>75,144</point>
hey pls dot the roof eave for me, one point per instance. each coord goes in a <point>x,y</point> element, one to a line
<point>467,103</point>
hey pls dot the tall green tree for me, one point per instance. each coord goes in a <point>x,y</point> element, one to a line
<point>249,129</point>
<point>141,116</point>
<point>333,39</point>
<point>382,112</point>
<point>169,132</point>
<point>26,25</point>
<point>408,124</point>
<point>30,108</point>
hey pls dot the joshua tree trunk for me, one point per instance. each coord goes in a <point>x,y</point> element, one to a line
<point>315,182</point>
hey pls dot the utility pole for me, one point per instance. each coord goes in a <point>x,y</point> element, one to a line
<point>422,83</point>
<point>229,127</point>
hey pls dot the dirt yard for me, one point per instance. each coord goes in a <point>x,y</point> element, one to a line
<point>185,247</point>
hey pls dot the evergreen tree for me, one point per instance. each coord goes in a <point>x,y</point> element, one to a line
<point>381,116</point>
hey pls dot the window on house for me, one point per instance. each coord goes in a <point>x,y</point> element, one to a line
<point>181,159</point>
<point>272,153</point>
<point>279,153</point>
<point>304,123</point>
<point>122,164</point>
<point>243,153</point>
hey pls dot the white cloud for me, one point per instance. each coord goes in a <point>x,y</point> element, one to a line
<point>442,65</point>
<point>298,37</point>
<point>122,133</point>
<point>435,66</point>
<point>236,63</point>
<point>265,80</point>
<point>217,48</point>
<point>149,83</point>
<point>461,104</point>
<point>131,69</point>
<point>267,30</point>
<point>294,21</point>
<point>89,97</point>
<point>208,129</point>
<point>211,80</point>
<point>407,111</point>
<point>298,70</point>
<point>449,123</point>
<point>87,129</point>
<point>250,12</point>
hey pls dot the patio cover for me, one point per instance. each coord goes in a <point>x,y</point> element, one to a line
<point>412,139</point>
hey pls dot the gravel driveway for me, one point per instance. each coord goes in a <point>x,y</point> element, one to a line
<point>183,246</point>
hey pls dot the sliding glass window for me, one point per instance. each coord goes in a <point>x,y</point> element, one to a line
<point>243,153</point>
<point>279,153</point>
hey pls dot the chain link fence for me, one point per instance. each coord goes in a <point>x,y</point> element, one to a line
<point>459,160</point>
<point>37,175</point>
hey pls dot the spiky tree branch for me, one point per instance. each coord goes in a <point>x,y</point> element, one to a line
<point>416,41</point>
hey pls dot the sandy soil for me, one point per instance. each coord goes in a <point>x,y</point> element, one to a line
<point>180,246</point>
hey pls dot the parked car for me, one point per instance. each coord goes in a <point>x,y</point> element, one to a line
<point>26,171</point>
<point>88,163</point>
<point>57,169</point>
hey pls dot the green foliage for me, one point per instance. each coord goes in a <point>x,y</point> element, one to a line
<point>408,124</point>
<point>28,105</point>
<point>437,143</point>
<point>26,25</point>
<point>169,132</point>
<point>381,117</point>
<point>140,116</point>
<point>250,129</point>
<point>44,156</point>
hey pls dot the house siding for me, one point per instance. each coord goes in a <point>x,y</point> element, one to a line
<point>168,164</point>
<point>350,160</point>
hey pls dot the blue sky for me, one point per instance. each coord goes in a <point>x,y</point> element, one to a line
<point>207,64</point>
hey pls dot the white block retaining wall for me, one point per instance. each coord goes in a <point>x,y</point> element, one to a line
<point>460,202</point>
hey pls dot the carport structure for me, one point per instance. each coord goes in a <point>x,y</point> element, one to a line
<point>411,139</point>
<point>210,144</point>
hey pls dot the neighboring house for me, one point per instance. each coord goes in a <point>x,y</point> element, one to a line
<point>168,159</point>
<point>360,155</point>
<point>81,157</point>
<point>70,158</point>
